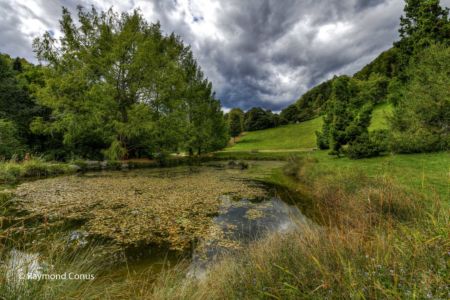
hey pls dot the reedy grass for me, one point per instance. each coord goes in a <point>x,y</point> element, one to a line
<point>11,171</point>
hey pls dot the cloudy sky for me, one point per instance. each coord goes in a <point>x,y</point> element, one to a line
<point>256,52</point>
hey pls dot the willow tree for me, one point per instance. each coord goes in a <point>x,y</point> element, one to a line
<point>116,85</point>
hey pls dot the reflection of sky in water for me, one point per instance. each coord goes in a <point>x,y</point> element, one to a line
<point>240,222</point>
<point>20,265</point>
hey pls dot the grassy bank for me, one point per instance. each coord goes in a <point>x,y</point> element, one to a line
<point>11,172</point>
<point>426,173</point>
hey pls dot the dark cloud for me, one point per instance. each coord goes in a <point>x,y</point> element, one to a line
<point>256,52</point>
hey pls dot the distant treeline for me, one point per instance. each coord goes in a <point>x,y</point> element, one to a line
<point>112,87</point>
<point>254,119</point>
<point>413,76</point>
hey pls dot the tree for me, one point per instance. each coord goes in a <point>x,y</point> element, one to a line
<point>258,119</point>
<point>348,114</point>
<point>290,113</point>
<point>424,23</point>
<point>117,87</point>
<point>421,120</point>
<point>235,122</point>
<point>341,113</point>
<point>313,102</point>
<point>386,64</point>
<point>10,144</point>
<point>16,101</point>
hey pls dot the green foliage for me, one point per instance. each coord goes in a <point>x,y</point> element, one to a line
<point>380,116</point>
<point>340,115</point>
<point>349,113</point>
<point>235,122</point>
<point>323,137</point>
<point>423,23</point>
<point>17,78</point>
<point>310,105</point>
<point>291,113</point>
<point>117,86</point>
<point>386,64</point>
<point>10,144</point>
<point>372,90</point>
<point>258,119</point>
<point>421,119</point>
<point>115,151</point>
<point>368,144</point>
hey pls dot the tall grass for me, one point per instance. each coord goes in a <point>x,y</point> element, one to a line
<point>19,257</point>
<point>11,171</point>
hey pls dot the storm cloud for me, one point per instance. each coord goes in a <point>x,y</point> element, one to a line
<point>256,52</point>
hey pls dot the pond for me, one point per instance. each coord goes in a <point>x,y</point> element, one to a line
<point>145,220</point>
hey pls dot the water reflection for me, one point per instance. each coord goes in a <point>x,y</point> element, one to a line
<point>241,221</point>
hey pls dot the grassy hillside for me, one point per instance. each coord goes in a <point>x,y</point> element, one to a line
<point>289,137</point>
<point>297,137</point>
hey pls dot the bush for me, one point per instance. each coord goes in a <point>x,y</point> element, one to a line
<point>418,142</point>
<point>368,145</point>
<point>322,141</point>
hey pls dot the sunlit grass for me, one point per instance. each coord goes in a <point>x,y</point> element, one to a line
<point>11,171</point>
<point>379,116</point>
<point>293,137</point>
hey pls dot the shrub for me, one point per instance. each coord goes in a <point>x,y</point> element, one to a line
<point>368,145</point>
<point>417,142</point>
<point>34,168</point>
<point>322,140</point>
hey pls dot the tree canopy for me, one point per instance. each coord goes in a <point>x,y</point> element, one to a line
<point>421,120</point>
<point>117,87</point>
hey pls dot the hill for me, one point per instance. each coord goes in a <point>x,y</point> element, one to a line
<point>288,137</point>
<point>297,137</point>
<point>312,103</point>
